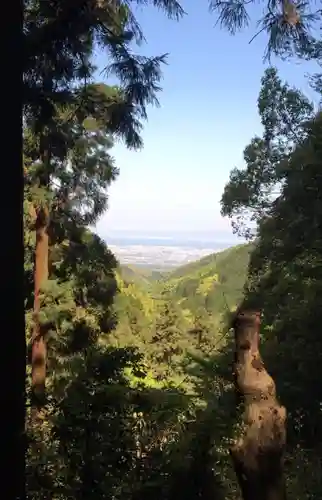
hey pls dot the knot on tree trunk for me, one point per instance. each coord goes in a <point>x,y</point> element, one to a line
<point>258,453</point>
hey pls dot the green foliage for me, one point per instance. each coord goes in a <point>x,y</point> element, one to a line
<point>248,195</point>
<point>291,26</point>
<point>139,275</point>
<point>60,43</point>
<point>109,428</point>
<point>139,395</point>
<point>213,284</point>
<point>167,339</point>
<point>292,272</point>
<point>284,277</point>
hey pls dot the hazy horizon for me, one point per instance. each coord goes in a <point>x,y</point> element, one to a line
<point>165,249</point>
<point>207,115</point>
<point>164,235</point>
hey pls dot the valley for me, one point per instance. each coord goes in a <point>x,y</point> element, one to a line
<point>199,283</point>
<point>194,299</point>
<point>148,358</point>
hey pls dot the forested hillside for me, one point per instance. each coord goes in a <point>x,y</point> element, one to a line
<point>212,284</point>
<point>149,386</point>
<point>189,305</point>
<point>139,275</point>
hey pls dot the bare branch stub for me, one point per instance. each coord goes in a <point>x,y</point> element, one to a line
<point>258,453</point>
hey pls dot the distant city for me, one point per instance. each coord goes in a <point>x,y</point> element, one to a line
<point>165,251</point>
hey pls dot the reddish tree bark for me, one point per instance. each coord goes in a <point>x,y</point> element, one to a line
<point>258,453</point>
<point>39,350</point>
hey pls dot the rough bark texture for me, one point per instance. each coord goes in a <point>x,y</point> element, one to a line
<point>258,453</point>
<point>39,350</point>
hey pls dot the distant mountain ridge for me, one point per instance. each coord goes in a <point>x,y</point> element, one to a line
<point>211,284</point>
<point>214,283</point>
<point>139,275</point>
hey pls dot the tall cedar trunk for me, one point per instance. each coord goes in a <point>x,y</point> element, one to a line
<point>39,350</point>
<point>258,453</point>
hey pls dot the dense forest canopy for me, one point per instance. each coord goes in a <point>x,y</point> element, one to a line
<point>132,376</point>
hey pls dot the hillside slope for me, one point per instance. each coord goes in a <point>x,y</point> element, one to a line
<point>212,283</point>
<point>201,292</point>
<point>138,275</point>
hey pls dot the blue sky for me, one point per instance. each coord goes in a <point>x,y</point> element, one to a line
<point>208,114</point>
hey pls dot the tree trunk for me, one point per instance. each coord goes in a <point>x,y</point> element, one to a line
<point>258,453</point>
<point>39,351</point>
